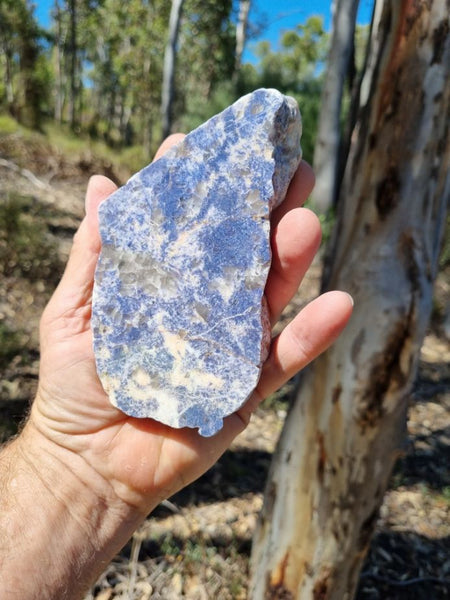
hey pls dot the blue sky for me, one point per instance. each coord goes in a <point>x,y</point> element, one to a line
<point>283,15</point>
<point>280,15</point>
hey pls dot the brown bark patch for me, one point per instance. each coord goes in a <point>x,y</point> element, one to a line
<point>322,456</point>
<point>337,391</point>
<point>278,593</point>
<point>440,35</point>
<point>407,247</point>
<point>322,586</point>
<point>269,502</point>
<point>384,373</point>
<point>387,194</point>
<point>366,530</point>
<point>275,589</point>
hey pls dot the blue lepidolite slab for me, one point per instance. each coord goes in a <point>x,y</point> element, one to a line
<point>179,317</point>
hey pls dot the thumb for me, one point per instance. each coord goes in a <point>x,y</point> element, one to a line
<point>75,288</point>
<point>170,141</point>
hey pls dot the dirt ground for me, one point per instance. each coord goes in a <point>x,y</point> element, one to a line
<point>197,545</point>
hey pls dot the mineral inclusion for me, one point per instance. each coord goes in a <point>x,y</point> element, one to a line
<point>179,317</point>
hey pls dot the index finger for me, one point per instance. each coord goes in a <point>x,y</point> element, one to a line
<point>299,189</point>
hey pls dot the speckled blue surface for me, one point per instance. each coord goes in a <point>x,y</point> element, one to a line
<point>179,321</point>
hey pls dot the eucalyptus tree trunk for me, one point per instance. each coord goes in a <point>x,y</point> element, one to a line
<point>170,54</point>
<point>326,152</point>
<point>10,98</point>
<point>73,45</point>
<point>343,433</point>
<point>60,84</point>
<point>241,36</point>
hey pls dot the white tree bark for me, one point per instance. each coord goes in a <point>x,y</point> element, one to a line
<point>168,85</point>
<point>241,36</point>
<point>326,151</point>
<point>60,43</point>
<point>341,437</point>
<point>73,75</point>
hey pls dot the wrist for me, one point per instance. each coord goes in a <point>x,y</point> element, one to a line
<point>60,519</point>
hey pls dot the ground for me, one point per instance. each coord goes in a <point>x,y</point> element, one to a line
<point>196,546</point>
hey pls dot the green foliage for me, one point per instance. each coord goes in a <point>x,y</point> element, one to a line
<point>446,495</point>
<point>301,52</point>
<point>293,69</point>
<point>8,125</point>
<point>327,220</point>
<point>308,99</point>
<point>170,546</point>
<point>205,62</point>
<point>117,51</point>
<point>25,85</point>
<point>198,112</point>
<point>25,247</point>
<point>280,399</point>
<point>10,344</point>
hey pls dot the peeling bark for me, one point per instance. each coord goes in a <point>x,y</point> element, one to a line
<point>344,432</point>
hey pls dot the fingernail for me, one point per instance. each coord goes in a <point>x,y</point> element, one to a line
<point>90,186</point>
<point>350,298</point>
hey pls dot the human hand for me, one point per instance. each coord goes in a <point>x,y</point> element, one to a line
<point>142,460</point>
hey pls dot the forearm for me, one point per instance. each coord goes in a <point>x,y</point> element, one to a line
<point>60,523</point>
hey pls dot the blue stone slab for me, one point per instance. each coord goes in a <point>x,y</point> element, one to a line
<point>179,318</point>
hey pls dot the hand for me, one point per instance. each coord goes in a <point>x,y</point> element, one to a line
<point>143,460</point>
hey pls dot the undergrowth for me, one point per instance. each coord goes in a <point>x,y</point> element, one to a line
<point>26,248</point>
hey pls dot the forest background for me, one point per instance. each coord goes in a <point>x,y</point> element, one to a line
<point>95,67</point>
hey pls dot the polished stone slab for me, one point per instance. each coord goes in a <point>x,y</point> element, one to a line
<point>179,317</point>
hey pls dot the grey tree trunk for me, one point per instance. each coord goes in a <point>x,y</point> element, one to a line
<point>241,36</point>
<point>6,57</point>
<point>60,42</point>
<point>170,54</point>
<point>10,99</point>
<point>73,45</point>
<point>326,152</point>
<point>342,436</point>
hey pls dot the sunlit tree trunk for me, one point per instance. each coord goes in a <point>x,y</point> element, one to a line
<point>7,58</point>
<point>168,86</point>
<point>9,82</point>
<point>59,90</point>
<point>342,436</point>
<point>73,49</point>
<point>241,36</point>
<point>326,152</point>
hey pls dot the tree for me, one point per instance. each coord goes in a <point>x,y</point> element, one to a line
<point>24,75</point>
<point>342,435</point>
<point>206,58</point>
<point>73,74</point>
<point>123,60</point>
<point>241,36</point>
<point>59,44</point>
<point>169,67</point>
<point>70,34</point>
<point>326,153</point>
<point>293,70</point>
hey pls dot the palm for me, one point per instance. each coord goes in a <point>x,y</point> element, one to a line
<point>141,456</point>
<point>112,440</point>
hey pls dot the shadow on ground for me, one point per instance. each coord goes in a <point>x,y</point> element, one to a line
<point>406,566</point>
